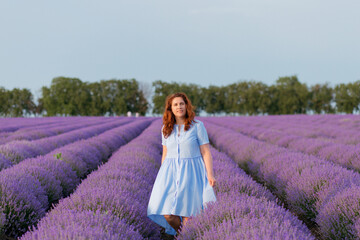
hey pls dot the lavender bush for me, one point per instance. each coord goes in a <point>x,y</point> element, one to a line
<point>340,218</point>
<point>308,192</point>
<point>48,130</point>
<point>304,182</point>
<point>239,216</point>
<point>50,182</point>
<point>333,128</point>
<point>83,225</point>
<point>119,189</point>
<point>244,210</point>
<point>22,200</point>
<point>111,202</point>
<point>17,151</point>
<point>4,162</point>
<point>62,171</point>
<point>233,180</point>
<point>338,152</point>
<point>13,124</point>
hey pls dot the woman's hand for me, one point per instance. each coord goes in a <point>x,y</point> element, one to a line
<point>212,180</point>
<point>163,154</point>
<point>206,154</point>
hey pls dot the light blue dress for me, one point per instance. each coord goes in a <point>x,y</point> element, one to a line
<point>181,186</point>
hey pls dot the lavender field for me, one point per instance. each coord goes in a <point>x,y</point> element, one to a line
<point>278,177</point>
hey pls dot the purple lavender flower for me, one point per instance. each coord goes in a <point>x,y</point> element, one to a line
<point>233,180</point>
<point>241,216</point>
<point>22,200</point>
<point>43,184</point>
<point>48,181</point>
<point>340,218</point>
<point>82,225</point>
<point>309,191</point>
<point>304,182</point>
<point>51,129</point>
<point>120,189</point>
<point>4,162</point>
<point>329,142</point>
<point>17,151</point>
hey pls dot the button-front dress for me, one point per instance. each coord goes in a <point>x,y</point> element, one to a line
<point>181,186</point>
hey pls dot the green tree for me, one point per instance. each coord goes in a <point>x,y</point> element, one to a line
<point>97,107</point>
<point>292,96</point>
<point>235,98</point>
<point>108,93</point>
<point>231,98</point>
<point>121,96</point>
<point>256,98</point>
<point>20,102</point>
<point>214,99</point>
<point>273,95</point>
<point>347,97</point>
<point>321,97</point>
<point>134,98</point>
<point>5,103</point>
<point>355,92</point>
<point>49,102</point>
<point>66,96</point>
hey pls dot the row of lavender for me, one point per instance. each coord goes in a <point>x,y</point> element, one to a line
<point>113,202</point>
<point>10,125</point>
<point>6,134</point>
<point>244,210</point>
<point>28,189</point>
<point>16,151</point>
<point>48,130</point>
<point>306,126</point>
<point>309,126</point>
<point>345,122</point>
<point>321,193</point>
<point>342,154</point>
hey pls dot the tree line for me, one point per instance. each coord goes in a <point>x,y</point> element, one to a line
<point>286,96</point>
<point>72,97</point>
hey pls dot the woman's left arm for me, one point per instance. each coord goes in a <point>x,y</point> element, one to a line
<point>206,154</point>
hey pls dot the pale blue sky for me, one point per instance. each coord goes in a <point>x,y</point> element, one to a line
<point>203,42</point>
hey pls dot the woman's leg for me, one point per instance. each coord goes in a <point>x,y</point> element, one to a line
<point>174,221</point>
<point>184,220</point>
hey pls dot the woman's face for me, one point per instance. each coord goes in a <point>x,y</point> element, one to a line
<point>178,107</point>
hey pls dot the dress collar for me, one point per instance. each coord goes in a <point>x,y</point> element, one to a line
<point>177,127</point>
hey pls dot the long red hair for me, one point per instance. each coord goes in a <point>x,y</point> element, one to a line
<point>169,117</point>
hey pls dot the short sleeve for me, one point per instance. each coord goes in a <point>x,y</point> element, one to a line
<point>163,140</point>
<point>202,134</point>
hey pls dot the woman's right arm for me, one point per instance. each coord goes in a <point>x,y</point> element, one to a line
<point>164,154</point>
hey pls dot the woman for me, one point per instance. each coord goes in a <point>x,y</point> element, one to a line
<point>185,179</point>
